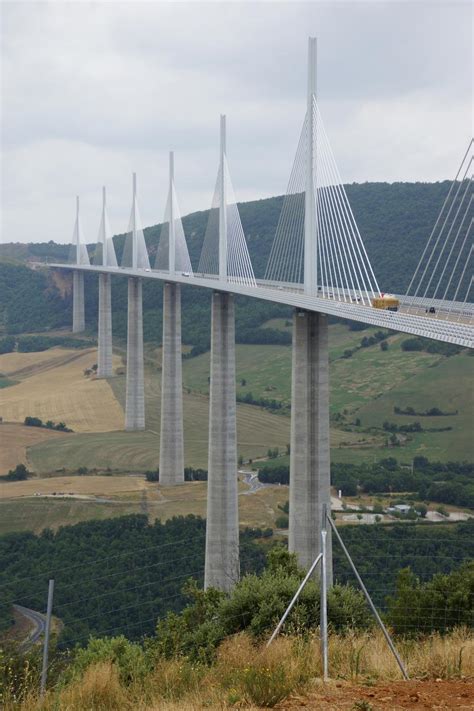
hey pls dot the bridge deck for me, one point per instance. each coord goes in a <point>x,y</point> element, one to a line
<point>447,324</point>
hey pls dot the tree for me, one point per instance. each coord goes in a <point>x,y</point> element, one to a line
<point>20,473</point>
<point>422,509</point>
<point>439,604</point>
<point>152,475</point>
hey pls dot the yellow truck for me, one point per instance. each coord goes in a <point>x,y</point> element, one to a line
<point>386,301</point>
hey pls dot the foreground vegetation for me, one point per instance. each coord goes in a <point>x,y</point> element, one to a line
<point>214,653</point>
<point>113,675</point>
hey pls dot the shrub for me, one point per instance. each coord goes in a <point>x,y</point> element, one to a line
<point>128,657</point>
<point>255,605</point>
<point>282,522</point>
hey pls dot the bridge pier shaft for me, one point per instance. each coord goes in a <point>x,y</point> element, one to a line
<point>222,529</point>
<point>78,317</point>
<point>135,393</point>
<point>171,440</point>
<point>104,355</point>
<point>309,450</point>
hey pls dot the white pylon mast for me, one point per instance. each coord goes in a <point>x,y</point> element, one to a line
<point>77,231</point>
<point>222,206</point>
<point>310,214</point>
<point>172,235</point>
<point>104,228</point>
<point>134,225</point>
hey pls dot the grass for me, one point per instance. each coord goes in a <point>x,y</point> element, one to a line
<point>367,386</point>
<point>6,382</point>
<point>446,385</point>
<point>15,440</point>
<point>250,675</point>
<point>266,369</point>
<point>111,496</point>
<point>55,388</point>
<point>36,514</point>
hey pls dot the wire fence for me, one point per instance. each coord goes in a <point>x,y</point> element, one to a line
<point>129,592</point>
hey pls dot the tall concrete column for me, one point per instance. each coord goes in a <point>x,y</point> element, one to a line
<point>104,356</point>
<point>171,441</point>
<point>309,453</point>
<point>135,394</point>
<point>78,318</point>
<point>222,529</point>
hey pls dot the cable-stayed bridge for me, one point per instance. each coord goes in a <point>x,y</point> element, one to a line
<point>319,265</point>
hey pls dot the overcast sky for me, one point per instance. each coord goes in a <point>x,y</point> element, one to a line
<point>92,91</point>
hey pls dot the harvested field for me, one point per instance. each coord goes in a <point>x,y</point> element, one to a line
<point>54,387</point>
<point>23,365</point>
<point>15,440</point>
<point>22,510</point>
<point>91,485</point>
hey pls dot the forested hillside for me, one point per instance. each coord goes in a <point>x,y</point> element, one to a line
<point>394,220</point>
<point>121,575</point>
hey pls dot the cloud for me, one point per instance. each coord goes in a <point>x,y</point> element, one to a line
<point>94,90</point>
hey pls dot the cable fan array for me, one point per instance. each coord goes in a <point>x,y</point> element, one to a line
<point>104,254</point>
<point>224,213</point>
<point>344,272</point>
<point>135,254</point>
<point>172,233</point>
<point>78,253</point>
<point>445,269</point>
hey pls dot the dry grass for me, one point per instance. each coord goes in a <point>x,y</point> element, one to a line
<point>27,364</point>
<point>366,655</point>
<point>15,440</point>
<point>81,485</point>
<point>56,389</point>
<point>22,510</point>
<point>247,675</point>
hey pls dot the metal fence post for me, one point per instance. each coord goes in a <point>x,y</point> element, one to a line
<point>324,597</point>
<point>44,671</point>
<point>369,600</point>
<point>295,597</point>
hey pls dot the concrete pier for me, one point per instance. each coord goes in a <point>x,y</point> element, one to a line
<point>171,440</point>
<point>104,356</point>
<point>135,394</point>
<point>78,317</point>
<point>222,529</point>
<point>309,454</point>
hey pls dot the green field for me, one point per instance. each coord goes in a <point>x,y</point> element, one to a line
<point>6,382</point>
<point>28,514</point>
<point>446,384</point>
<point>368,386</point>
<point>266,368</point>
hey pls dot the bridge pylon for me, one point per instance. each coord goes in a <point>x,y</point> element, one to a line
<point>309,442</point>
<point>78,255</point>
<point>105,255</point>
<point>222,525</point>
<point>135,390</point>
